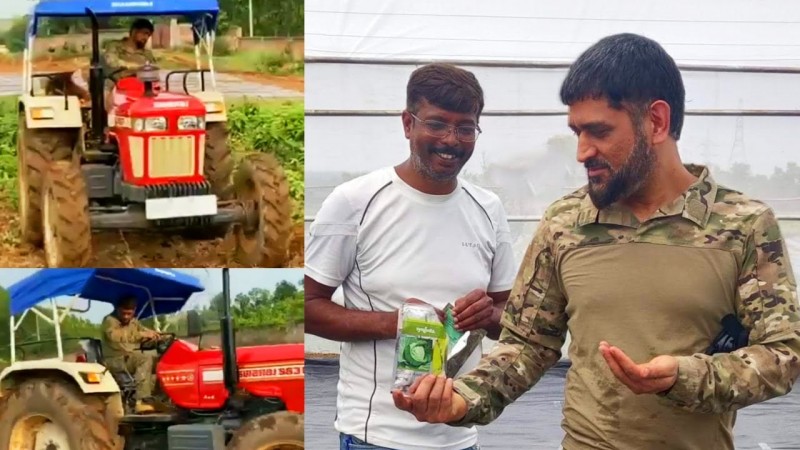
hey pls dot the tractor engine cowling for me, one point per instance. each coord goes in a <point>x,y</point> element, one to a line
<point>161,141</point>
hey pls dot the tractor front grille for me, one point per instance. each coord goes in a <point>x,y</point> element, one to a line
<point>172,156</point>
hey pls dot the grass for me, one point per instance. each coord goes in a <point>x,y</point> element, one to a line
<point>281,64</point>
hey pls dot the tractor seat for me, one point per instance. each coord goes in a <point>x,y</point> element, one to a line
<point>93,349</point>
<point>124,380</point>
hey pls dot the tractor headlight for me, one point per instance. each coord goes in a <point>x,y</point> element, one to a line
<point>150,124</point>
<point>191,123</point>
<point>155,124</point>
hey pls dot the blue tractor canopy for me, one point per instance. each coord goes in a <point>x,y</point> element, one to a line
<point>158,291</point>
<point>203,13</point>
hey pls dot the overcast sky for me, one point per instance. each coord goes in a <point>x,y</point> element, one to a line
<point>14,8</point>
<point>242,280</point>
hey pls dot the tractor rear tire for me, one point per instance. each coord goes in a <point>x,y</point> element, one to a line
<point>65,214</point>
<point>217,169</point>
<point>36,148</point>
<point>261,182</point>
<point>282,430</point>
<point>51,410</point>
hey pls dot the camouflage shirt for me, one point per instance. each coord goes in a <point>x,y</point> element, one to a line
<point>119,339</point>
<point>651,288</point>
<point>119,55</point>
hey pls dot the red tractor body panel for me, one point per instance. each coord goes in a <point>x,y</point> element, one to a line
<point>193,378</point>
<point>157,157</point>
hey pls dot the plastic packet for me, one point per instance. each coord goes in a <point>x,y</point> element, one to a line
<point>460,345</point>
<point>421,345</point>
<point>453,335</point>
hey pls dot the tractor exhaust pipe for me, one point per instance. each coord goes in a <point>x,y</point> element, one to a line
<point>96,82</point>
<point>230,370</point>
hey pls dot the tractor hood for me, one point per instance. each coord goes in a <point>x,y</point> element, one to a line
<point>193,378</point>
<point>164,103</point>
<point>169,289</point>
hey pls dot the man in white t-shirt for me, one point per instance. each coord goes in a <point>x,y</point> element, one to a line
<point>413,231</point>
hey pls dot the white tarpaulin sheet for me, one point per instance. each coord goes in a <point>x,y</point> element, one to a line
<point>353,123</point>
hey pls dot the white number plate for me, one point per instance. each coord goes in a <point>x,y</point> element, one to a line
<point>168,208</point>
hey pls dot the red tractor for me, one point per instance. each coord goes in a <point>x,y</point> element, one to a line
<point>228,398</point>
<point>155,159</point>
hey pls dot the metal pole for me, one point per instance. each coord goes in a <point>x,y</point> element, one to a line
<point>526,64</point>
<point>13,330</point>
<point>532,218</point>
<point>57,324</point>
<point>552,113</point>
<point>251,18</point>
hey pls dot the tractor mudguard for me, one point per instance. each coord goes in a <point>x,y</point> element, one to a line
<point>51,111</point>
<point>216,111</point>
<point>74,370</point>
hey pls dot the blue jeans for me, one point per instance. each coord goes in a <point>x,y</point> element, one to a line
<point>348,442</point>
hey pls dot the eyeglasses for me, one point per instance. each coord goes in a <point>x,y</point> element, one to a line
<point>464,133</point>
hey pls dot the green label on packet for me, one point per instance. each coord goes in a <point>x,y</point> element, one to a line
<point>423,328</point>
<point>422,346</point>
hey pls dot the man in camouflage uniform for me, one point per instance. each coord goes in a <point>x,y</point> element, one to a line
<point>639,265</point>
<point>124,58</point>
<point>121,340</point>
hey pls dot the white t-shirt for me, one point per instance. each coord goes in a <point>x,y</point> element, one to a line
<point>384,242</point>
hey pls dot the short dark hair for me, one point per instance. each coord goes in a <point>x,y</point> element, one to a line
<point>142,24</point>
<point>128,302</point>
<point>627,68</point>
<point>445,86</point>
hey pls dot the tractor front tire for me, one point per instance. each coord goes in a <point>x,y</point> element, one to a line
<point>46,413</point>
<point>217,170</point>
<point>36,148</point>
<point>281,430</point>
<point>261,183</point>
<point>65,214</point>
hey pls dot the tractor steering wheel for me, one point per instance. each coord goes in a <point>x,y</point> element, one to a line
<point>159,344</point>
<point>164,342</point>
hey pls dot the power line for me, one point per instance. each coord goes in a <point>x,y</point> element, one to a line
<point>495,61</point>
<point>583,19</point>
<point>535,41</point>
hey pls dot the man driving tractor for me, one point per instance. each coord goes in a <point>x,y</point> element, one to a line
<point>129,53</point>
<point>122,58</point>
<point>121,338</point>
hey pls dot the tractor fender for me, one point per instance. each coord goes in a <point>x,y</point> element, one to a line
<point>51,111</point>
<point>75,371</point>
<point>216,110</point>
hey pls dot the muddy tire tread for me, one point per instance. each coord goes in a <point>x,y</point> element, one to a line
<point>259,431</point>
<point>275,215</point>
<point>71,216</point>
<point>41,146</point>
<point>218,165</point>
<point>88,427</point>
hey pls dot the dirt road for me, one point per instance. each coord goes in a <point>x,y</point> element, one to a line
<point>233,84</point>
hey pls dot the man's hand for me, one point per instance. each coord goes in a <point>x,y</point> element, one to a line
<point>473,311</point>
<point>431,399</point>
<point>150,335</point>
<point>652,377</point>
